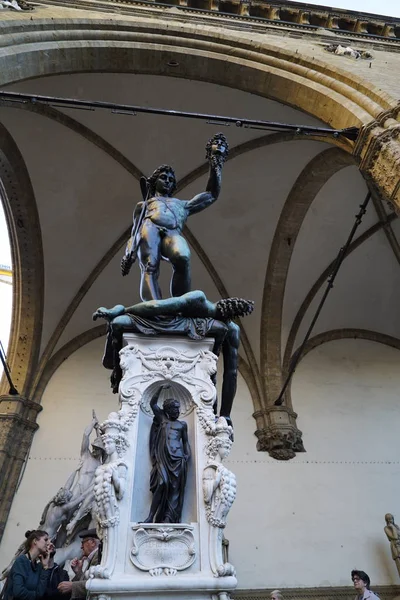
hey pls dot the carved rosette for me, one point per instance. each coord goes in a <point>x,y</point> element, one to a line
<point>163,549</point>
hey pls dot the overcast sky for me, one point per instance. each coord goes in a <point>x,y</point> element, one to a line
<point>390,8</point>
<point>5,290</point>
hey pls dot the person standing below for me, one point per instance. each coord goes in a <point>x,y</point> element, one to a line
<point>276,595</point>
<point>56,576</point>
<point>81,566</point>
<point>29,574</point>
<point>361,583</point>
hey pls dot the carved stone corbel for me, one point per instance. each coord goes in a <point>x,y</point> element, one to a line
<point>279,436</point>
<point>17,426</point>
<point>378,152</point>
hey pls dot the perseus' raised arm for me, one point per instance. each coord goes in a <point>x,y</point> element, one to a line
<point>216,154</point>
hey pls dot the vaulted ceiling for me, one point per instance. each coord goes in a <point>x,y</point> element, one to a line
<point>286,207</point>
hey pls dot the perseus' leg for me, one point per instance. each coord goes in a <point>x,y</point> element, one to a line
<point>218,331</point>
<point>230,349</point>
<point>149,259</point>
<point>117,328</point>
<point>176,249</point>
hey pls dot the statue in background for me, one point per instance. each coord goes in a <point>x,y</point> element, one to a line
<point>159,220</point>
<point>82,481</point>
<point>393,535</point>
<point>170,453</point>
<point>58,512</point>
<point>192,315</point>
<point>69,511</point>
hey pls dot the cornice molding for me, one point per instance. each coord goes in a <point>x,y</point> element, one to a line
<point>281,15</point>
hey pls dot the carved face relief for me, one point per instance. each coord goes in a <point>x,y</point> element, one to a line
<point>109,446</point>
<point>224,449</point>
<point>389,519</point>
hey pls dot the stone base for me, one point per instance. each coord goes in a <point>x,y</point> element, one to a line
<point>164,560</point>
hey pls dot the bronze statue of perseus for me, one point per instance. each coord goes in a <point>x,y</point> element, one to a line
<point>158,222</point>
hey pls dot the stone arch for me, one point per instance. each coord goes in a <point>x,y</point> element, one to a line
<point>347,333</point>
<point>350,333</point>
<point>91,45</point>
<point>384,223</point>
<point>17,196</point>
<point>55,46</point>
<point>94,45</point>
<point>310,181</point>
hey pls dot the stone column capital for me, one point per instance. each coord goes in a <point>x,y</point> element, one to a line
<point>17,426</point>
<point>378,153</point>
<point>279,436</point>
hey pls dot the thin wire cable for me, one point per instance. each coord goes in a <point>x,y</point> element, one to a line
<point>13,390</point>
<point>335,269</point>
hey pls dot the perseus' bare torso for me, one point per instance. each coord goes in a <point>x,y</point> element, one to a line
<point>169,213</point>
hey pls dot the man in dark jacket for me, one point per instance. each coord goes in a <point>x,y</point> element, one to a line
<point>55,576</point>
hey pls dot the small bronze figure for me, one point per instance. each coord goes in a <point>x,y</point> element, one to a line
<point>159,220</point>
<point>170,453</point>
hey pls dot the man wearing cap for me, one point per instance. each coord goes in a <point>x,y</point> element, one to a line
<point>361,583</point>
<point>80,566</point>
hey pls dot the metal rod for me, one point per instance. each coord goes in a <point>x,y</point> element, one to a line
<point>350,133</point>
<point>13,390</point>
<point>335,268</point>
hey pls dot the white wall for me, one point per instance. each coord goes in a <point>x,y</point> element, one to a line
<point>306,522</point>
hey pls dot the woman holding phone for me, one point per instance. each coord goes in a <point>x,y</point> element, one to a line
<point>28,576</point>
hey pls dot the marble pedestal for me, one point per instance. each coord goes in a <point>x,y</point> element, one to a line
<point>184,560</point>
